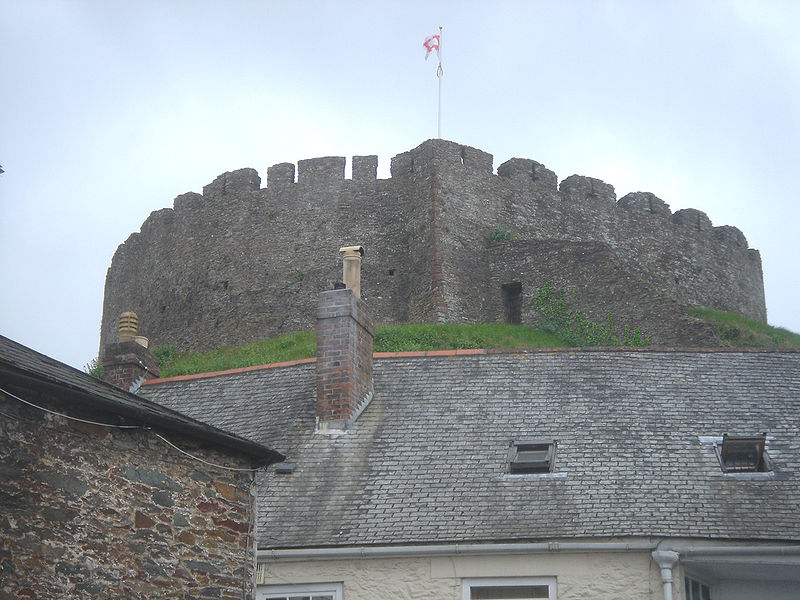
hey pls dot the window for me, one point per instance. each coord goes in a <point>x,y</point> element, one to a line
<point>741,454</point>
<point>531,456</point>
<point>311,591</point>
<point>696,590</point>
<point>509,588</point>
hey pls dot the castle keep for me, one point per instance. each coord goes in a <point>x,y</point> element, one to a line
<point>446,239</point>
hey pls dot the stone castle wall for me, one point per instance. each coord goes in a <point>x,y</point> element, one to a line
<point>241,262</point>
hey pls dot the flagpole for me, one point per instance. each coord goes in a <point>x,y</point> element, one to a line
<point>439,74</point>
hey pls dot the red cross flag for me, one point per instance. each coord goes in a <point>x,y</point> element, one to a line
<point>431,44</point>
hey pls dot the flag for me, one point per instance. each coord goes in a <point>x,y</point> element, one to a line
<point>431,43</point>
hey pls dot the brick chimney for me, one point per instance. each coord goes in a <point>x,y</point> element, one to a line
<point>128,363</point>
<point>345,331</point>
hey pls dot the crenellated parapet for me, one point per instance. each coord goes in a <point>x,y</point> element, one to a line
<point>241,262</point>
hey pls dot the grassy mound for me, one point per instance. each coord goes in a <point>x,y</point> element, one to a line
<point>733,330</point>
<point>736,330</point>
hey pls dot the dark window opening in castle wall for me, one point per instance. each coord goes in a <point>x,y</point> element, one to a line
<point>512,297</point>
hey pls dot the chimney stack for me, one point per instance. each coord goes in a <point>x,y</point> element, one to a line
<point>128,363</point>
<point>345,332</point>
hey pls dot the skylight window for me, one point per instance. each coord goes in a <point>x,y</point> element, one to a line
<point>743,454</point>
<point>531,456</point>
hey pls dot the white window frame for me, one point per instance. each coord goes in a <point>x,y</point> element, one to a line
<point>263,591</point>
<point>468,583</point>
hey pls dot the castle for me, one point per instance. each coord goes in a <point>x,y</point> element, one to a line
<point>446,239</point>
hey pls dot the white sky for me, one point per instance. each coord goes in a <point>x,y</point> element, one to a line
<point>108,110</point>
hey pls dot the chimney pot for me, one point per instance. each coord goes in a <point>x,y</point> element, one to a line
<point>351,268</point>
<point>128,326</point>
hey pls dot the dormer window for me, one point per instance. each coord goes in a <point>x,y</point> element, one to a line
<point>531,456</point>
<point>743,454</point>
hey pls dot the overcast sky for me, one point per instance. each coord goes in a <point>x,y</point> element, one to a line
<point>110,109</point>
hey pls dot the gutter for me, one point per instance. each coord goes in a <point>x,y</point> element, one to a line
<point>698,552</point>
<point>297,554</point>
<point>148,414</point>
<point>294,554</point>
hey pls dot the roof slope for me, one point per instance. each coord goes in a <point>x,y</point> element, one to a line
<point>19,365</point>
<point>426,461</point>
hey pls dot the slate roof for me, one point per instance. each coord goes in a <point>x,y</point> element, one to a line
<point>426,461</point>
<point>21,366</point>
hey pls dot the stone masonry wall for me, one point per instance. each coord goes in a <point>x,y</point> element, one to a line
<point>95,512</point>
<point>243,262</point>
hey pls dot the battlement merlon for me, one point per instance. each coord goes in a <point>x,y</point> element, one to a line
<point>365,168</point>
<point>233,182</point>
<point>280,175</point>
<point>645,202</point>
<point>588,187</point>
<point>527,170</point>
<point>324,169</point>
<point>433,155</point>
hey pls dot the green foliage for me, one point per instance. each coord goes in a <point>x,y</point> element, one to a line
<point>94,368</point>
<point>500,234</point>
<point>165,353</point>
<point>736,330</point>
<point>574,327</point>
<point>300,273</point>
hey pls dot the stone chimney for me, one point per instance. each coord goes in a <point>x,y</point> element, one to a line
<point>128,363</point>
<point>345,331</point>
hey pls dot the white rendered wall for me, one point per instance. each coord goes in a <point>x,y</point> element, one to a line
<point>622,576</point>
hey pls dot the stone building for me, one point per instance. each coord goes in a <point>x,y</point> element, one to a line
<point>449,240</point>
<point>106,495</point>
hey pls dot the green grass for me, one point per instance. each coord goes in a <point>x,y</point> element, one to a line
<point>452,336</point>
<point>736,330</point>
<point>288,347</point>
<point>388,338</point>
